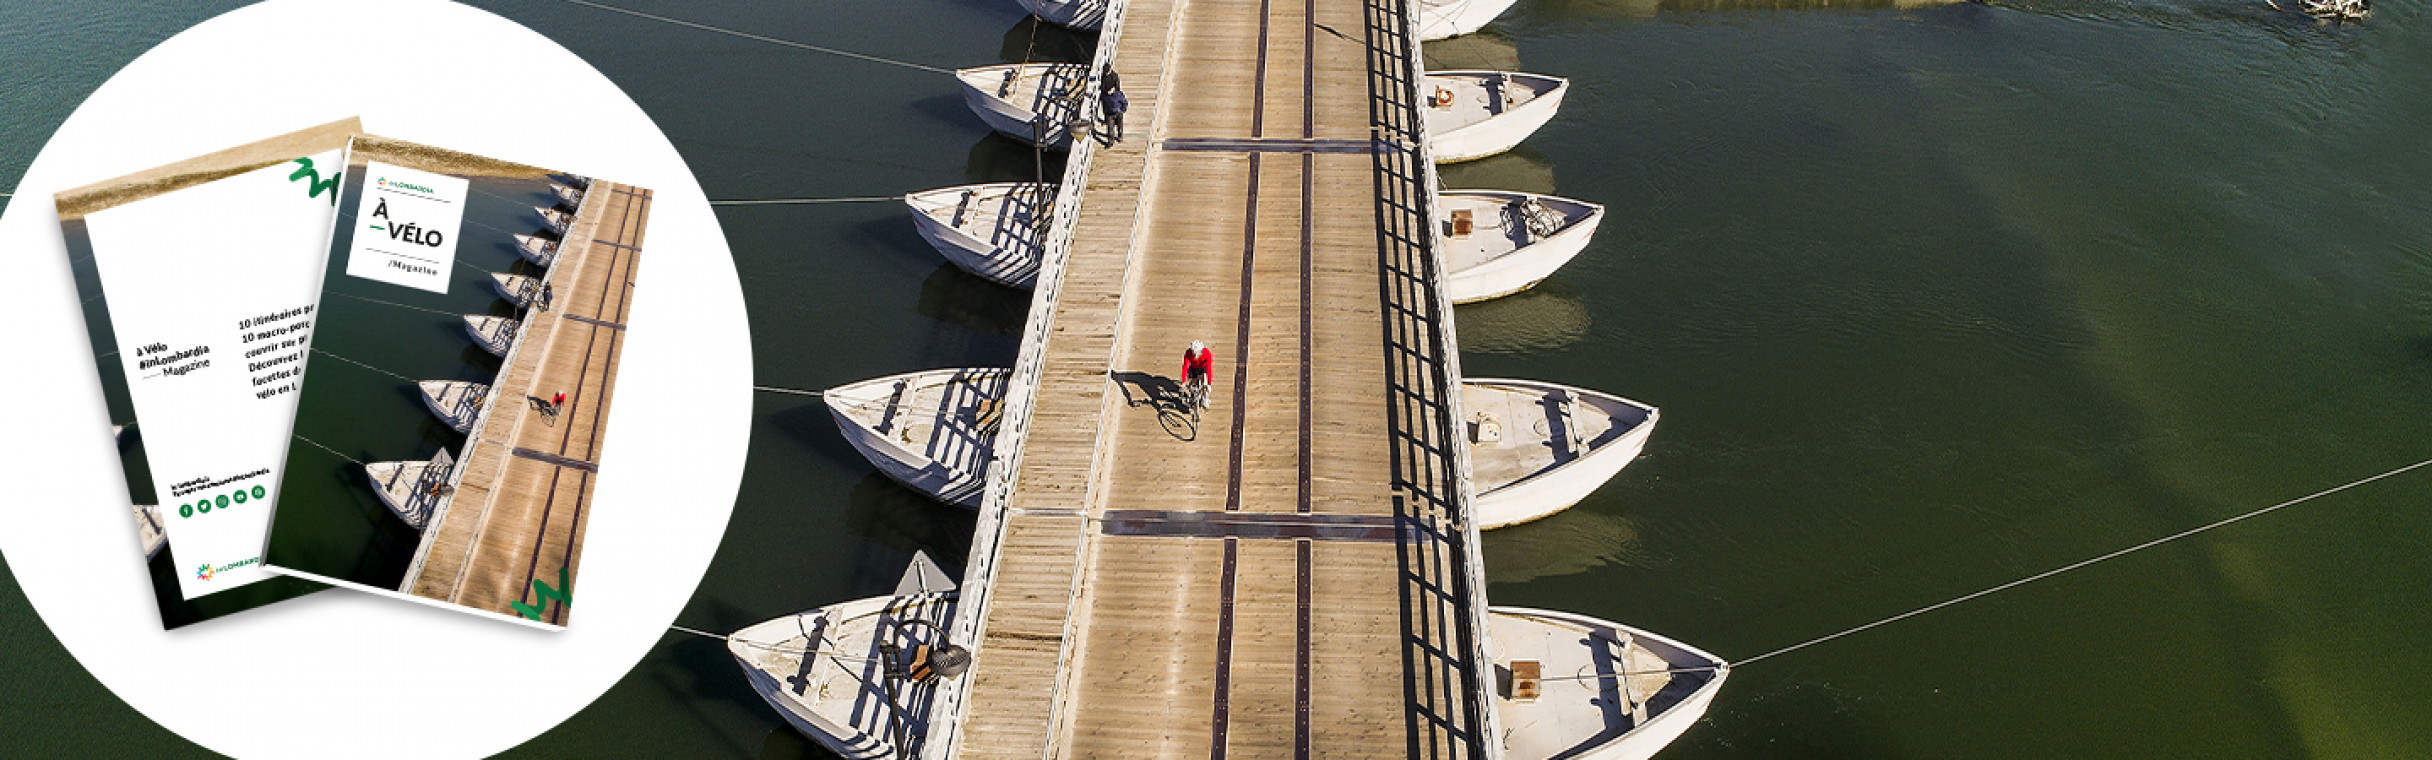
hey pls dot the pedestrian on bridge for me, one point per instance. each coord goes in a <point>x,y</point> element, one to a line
<point>1112,104</point>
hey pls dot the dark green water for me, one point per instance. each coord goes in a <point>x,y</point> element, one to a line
<point>1932,299</point>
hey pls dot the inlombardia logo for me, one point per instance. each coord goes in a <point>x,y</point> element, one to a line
<point>205,571</point>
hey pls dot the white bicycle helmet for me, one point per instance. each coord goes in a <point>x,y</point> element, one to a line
<point>1197,347</point>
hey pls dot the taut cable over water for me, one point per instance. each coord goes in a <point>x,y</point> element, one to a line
<point>2031,578</point>
<point>773,389</point>
<point>332,452</point>
<point>393,303</point>
<point>800,201</point>
<point>773,40</point>
<point>360,364</point>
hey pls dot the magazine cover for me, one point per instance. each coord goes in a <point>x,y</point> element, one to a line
<point>198,280</point>
<point>457,410</point>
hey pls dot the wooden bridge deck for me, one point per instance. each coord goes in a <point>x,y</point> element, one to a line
<point>518,513</point>
<point>1285,576</point>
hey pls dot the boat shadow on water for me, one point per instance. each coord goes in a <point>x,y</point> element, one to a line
<point>1034,41</point>
<point>969,301</point>
<point>997,158</point>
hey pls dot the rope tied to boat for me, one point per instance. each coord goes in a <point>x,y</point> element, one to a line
<point>806,201</point>
<point>365,366</point>
<point>332,452</point>
<point>774,389</point>
<point>393,303</point>
<point>761,38</point>
<point>2086,562</point>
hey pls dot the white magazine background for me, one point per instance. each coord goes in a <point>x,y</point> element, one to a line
<point>342,672</point>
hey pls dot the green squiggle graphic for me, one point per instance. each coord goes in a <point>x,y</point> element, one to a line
<point>564,594</point>
<point>316,184</point>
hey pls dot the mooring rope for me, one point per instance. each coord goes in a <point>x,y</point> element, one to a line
<point>332,452</point>
<point>2084,563</point>
<point>365,366</point>
<point>396,304</point>
<point>773,389</point>
<point>773,40</point>
<point>798,201</point>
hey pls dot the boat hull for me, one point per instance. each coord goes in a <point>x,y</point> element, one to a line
<point>904,466</point>
<point>554,220</point>
<point>1523,269</point>
<point>1015,267</point>
<point>536,249</point>
<point>1496,135</point>
<point>961,486</point>
<point>478,328</point>
<point>1637,742</point>
<point>1544,493</point>
<point>1440,19</point>
<point>1017,122</point>
<point>847,627</point>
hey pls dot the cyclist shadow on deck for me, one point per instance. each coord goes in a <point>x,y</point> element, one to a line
<point>1162,393</point>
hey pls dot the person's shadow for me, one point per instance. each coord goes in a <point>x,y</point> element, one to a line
<point>548,411</point>
<point>1160,393</point>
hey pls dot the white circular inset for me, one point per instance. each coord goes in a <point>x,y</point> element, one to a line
<point>342,673</point>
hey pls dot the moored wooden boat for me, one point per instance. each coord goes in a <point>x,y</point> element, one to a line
<point>147,526</point>
<point>1031,102</point>
<point>454,402</point>
<point>931,431</point>
<point>857,676</point>
<point>1439,19</point>
<point>1588,689</point>
<point>536,249</point>
<point>495,334</point>
<point>992,230</point>
<point>1475,114</point>
<point>1537,448</point>
<point>554,219</point>
<point>516,288</point>
<point>1499,242</point>
<point>412,490</point>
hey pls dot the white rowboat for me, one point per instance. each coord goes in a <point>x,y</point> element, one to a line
<point>413,490</point>
<point>993,230</point>
<point>1497,242</point>
<point>554,219</point>
<point>495,334</point>
<point>454,402</point>
<point>536,249</point>
<point>1475,114</point>
<point>1031,102</point>
<point>1604,691</point>
<point>517,288</point>
<point>147,525</point>
<point>826,671</point>
<point>931,431</point>
<point>1537,448</point>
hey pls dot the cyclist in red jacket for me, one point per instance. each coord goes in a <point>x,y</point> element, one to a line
<point>1198,366</point>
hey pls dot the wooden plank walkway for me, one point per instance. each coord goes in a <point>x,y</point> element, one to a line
<point>518,513</point>
<point>1269,580</point>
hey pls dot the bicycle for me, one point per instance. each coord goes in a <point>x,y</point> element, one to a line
<point>1195,396</point>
